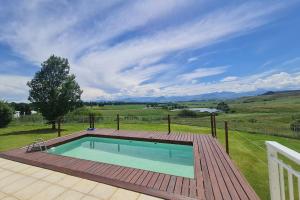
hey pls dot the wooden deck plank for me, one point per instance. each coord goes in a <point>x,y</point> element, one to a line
<point>230,183</point>
<point>153,180</point>
<point>158,181</point>
<point>247,188</point>
<point>185,187</point>
<point>147,179</point>
<point>208,191</point>
<point>178,185</point>
<point>217,172</point>
<point>165,183</point>
<point>126,174</point>
<point>193,189</point>
<point>141,178</point>
<point>171,185</point>
<point>199,185</point>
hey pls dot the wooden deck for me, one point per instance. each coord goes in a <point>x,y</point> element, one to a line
<point>216,177</point>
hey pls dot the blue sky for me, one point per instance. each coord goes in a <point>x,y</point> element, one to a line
<point>132,48</point>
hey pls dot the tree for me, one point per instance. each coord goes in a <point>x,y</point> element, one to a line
<point>223,106</point>
<point>6,114</point>
<point>24,108</point>
<point>187,113</point>
<point>53,91</point>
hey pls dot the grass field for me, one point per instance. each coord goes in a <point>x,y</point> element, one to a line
<point>253,121</point>
<point>247,150</point>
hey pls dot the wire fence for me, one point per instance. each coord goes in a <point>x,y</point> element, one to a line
<point>204,122</point>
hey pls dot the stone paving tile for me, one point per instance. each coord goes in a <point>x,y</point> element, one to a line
<point>17,185</point>
<point>147,197</point>
<point>4,161</point>
<point>87,197</point>
<point>54,177</point>
<point>10,165</point>
<point>10,179</point>
<point>68,181</point>
<point>41,173</point>
<point>49,193</point>
<point>9,198</point>
<point>121,193</point>
<point>30,170</point>
<point>5,173</point>
<point>25,182</point>
<point>70,195</point>
<point>2,195</point>
<point>84,186</point>
<point>31,190</point>
<point>103,191</point>
<point>20,168</point>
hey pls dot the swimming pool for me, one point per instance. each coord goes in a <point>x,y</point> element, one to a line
<point>173,159</point>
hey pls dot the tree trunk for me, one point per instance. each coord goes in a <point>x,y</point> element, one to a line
<point>53,125</point>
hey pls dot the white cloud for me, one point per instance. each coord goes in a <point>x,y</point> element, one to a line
<point>229,78</point>
<point>201,73</point>
<point>108,68</point>
<point>275,81</point>
<point>94,93</point>
<point>192,59</point>
<point>13,88</point>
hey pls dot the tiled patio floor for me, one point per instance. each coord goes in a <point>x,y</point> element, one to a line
<point>20,181</point>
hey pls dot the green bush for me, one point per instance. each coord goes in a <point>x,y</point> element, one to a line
<point>187,113</point>
<point>223,106</point>
<point>252,120</point>
<point>6,114</point>
<point>295,126</point>
<point>83,111</point>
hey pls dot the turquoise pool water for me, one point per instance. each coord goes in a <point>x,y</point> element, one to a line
<point>165,158</point>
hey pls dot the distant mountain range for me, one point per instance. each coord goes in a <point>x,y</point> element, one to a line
<point>201,97</point>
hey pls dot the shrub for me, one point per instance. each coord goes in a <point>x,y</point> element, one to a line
<point>6,114</point>
<point>187,113</point>
<point>83,111</point>
<point>252,120</point>
<point>223,106</point>
<point>295,126</point>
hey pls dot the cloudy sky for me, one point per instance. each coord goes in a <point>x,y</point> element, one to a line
<point>137,48</point>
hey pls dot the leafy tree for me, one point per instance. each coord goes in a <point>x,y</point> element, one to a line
<point>223,106</point>
<point>53,91</point>
<point>24,108</point>
<point>187,113</point>
<point>6,114</point>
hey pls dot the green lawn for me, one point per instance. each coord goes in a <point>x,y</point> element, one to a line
<point>247,150</point>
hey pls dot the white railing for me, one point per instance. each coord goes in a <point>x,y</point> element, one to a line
<point>277,173</point>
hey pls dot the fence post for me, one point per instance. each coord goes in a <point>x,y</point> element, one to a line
<point>212,125</point>
<point>226,137</point>
<point>93,121</point>
<point>273,173</point>
<point>90,120</point>
<point>169,124</point>
<point>215,125</point>
<point>58,127</point>
<point>118,122</point>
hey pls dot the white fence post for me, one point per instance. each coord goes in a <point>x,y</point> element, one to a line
<point>273,174</point>
<point>277,168</point>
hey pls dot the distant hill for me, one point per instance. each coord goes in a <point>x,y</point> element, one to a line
<point>202,97</point>
<point>259,94</point>
<point>268,93</point>
<point>282,93</point>
<point>271,95</point>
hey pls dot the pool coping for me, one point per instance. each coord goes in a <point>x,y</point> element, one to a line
<point>184,143</point>
<point>142,181</point>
